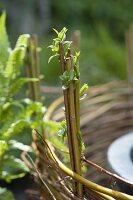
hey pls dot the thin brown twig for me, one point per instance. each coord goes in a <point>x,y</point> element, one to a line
<point>106,171</point>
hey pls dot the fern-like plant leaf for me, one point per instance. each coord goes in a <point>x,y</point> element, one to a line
<point>17,85</point>
<point>4,42</point>
<point>16,57</point>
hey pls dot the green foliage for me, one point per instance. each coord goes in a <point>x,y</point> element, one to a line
<point>81,143</point>
<point>62,132</point>
<point>75,59</point>
<point>10,62</point>
<point>61,36</point>
<point>17,84</point>
<point>5,194</point>
<point>51,129</point>
<point>82,91</point>
<point>16,114</point>
<point>13,144</point>
<point>103,59</point>
<point>70,84</point>
<point>112,56</point>
<point>67,78</point>
<point>4,43</point>
<point>16,57</point>
<point>116,15</point>
<point>12,168</point>
<point>3,147</point>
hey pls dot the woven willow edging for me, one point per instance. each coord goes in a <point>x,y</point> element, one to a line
<point>107,114</point>
<point>89,184</point>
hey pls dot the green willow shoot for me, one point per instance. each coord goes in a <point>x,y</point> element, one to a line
<point>70,84</point>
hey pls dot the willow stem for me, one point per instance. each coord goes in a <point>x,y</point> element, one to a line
<point>32,68</point>
<point>74,129</point>
<point>77,108</point>
<point>72,133</point>
<point>35,66</point>
<point>67,114</point>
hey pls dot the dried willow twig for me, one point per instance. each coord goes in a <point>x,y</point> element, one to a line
<point>89,184</point>
<point>101,169</point>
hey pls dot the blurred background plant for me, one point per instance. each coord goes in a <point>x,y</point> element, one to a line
<point>102,26</point>
<point>5,194</point>
<point>17,113</point>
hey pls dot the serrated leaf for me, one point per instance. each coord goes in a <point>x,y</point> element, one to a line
<point>16,57</point>
<point>17,85</point>
<point>22,41</point>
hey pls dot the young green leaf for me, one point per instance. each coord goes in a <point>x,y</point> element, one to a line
<point>84,88</point>
<point>51,58</point>
<point>67,45</point>
<point>75,59</point>
<point>67,78</point>
<point>62,34</point>
<point>55,31</point>
<point>62,132</point>
<point>56,41</point>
